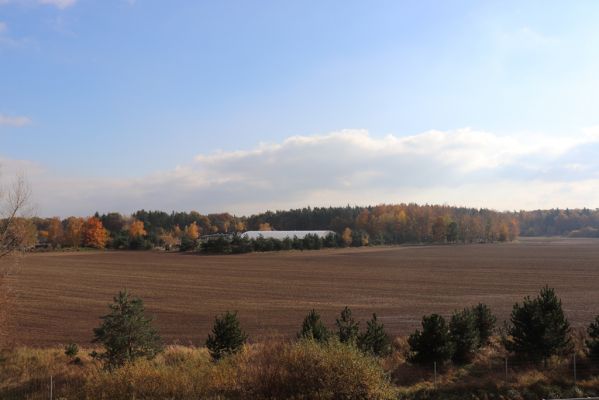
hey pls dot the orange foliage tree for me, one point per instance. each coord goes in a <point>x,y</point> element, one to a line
<point>137,229</point>
<point>94,234</point>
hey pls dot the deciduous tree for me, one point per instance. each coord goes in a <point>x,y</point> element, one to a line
<point>94,235</point>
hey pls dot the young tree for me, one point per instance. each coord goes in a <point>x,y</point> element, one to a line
<point>227,336</point>
<point>464,336</point>
<point>14,201</point>
<point>593,342</point>
<point>433,344</point>
<point>347,328</point>
<point>14,237</point>
<point>313,328</point>
<point>375,341</point>
<point>126,333</point>
<point>539,328</point>
<point>485,323</point>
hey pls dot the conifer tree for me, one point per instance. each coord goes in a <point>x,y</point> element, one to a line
<point>313,328</point>
<point>539,328</point>
<point>485,323</point>
<point>126,333</point>
<point>227,336</point>
<point>464,336</point>
<point>433,344</point>
<point>347,328</point>
<point>593,341</point>
<point>375,341</point>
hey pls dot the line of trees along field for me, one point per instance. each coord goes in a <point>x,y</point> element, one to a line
<point>354,226</point>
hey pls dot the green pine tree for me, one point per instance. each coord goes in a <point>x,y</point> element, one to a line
<point>375,341</point>
<point>593,341</point>
<point>227,336</point>
<point>347,328</point>
<point>433,344</point>
<point>313,328</point>
<point>464,336</point>
<point>485,323</point>
<point>539,328</point>
<point>126,333</point>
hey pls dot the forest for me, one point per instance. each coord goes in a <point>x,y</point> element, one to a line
<point>354,226</point>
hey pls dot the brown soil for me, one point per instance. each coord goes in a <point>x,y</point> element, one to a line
<point>61,295</point>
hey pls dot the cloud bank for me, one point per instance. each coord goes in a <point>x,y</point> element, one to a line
<point>16,121</point>
<point>459,167</point>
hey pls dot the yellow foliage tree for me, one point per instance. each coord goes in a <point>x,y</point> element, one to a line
<point>347,236</point>
<point>192,231</point>
<point>137,229</point>
<point>73,233</point>
<point>265,227</point>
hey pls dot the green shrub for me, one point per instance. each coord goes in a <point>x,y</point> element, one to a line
<point>593,342</point>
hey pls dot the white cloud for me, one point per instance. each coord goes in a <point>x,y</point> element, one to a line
<point>58,3</point>
<point>460,167</point>
<point>17,121</point>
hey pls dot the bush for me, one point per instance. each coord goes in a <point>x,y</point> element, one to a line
<point>126,333</point>
<point>539,328</point>
<point>71,350</point>
<point>433,344</point>
<point>485,323</point>
<point>227,336</point>
<point>313,328</point>
<point>375,341</point>
<point>309,370</point>
<point>347,328</point>
<point>464,336</point>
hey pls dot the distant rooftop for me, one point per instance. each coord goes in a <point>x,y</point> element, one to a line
<point>285,234</point>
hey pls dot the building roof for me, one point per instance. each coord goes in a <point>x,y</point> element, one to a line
<point>284,234</point>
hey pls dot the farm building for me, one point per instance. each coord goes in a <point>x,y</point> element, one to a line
<point>280,235</point>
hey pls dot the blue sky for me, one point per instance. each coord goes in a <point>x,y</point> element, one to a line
<point>120,105</point>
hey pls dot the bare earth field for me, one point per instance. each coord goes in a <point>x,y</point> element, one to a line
<point>61,295</point>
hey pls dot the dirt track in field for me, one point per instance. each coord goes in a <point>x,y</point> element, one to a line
<point>61,295</point>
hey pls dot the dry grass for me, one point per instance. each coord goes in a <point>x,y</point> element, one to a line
<point>302,370</point>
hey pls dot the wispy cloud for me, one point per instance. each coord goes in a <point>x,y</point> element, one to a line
<point>16,121</point>
<point>3,27</point>
<point>62,4</point>
<point>461,167</point>
<point>59,3</point>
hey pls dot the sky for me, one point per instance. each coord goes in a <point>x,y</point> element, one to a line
<point>243,106</point>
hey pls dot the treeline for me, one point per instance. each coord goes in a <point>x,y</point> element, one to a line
<point>565,222</point>
<point>354,226</point>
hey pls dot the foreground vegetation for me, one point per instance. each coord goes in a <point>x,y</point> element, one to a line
<point>536,355</point>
